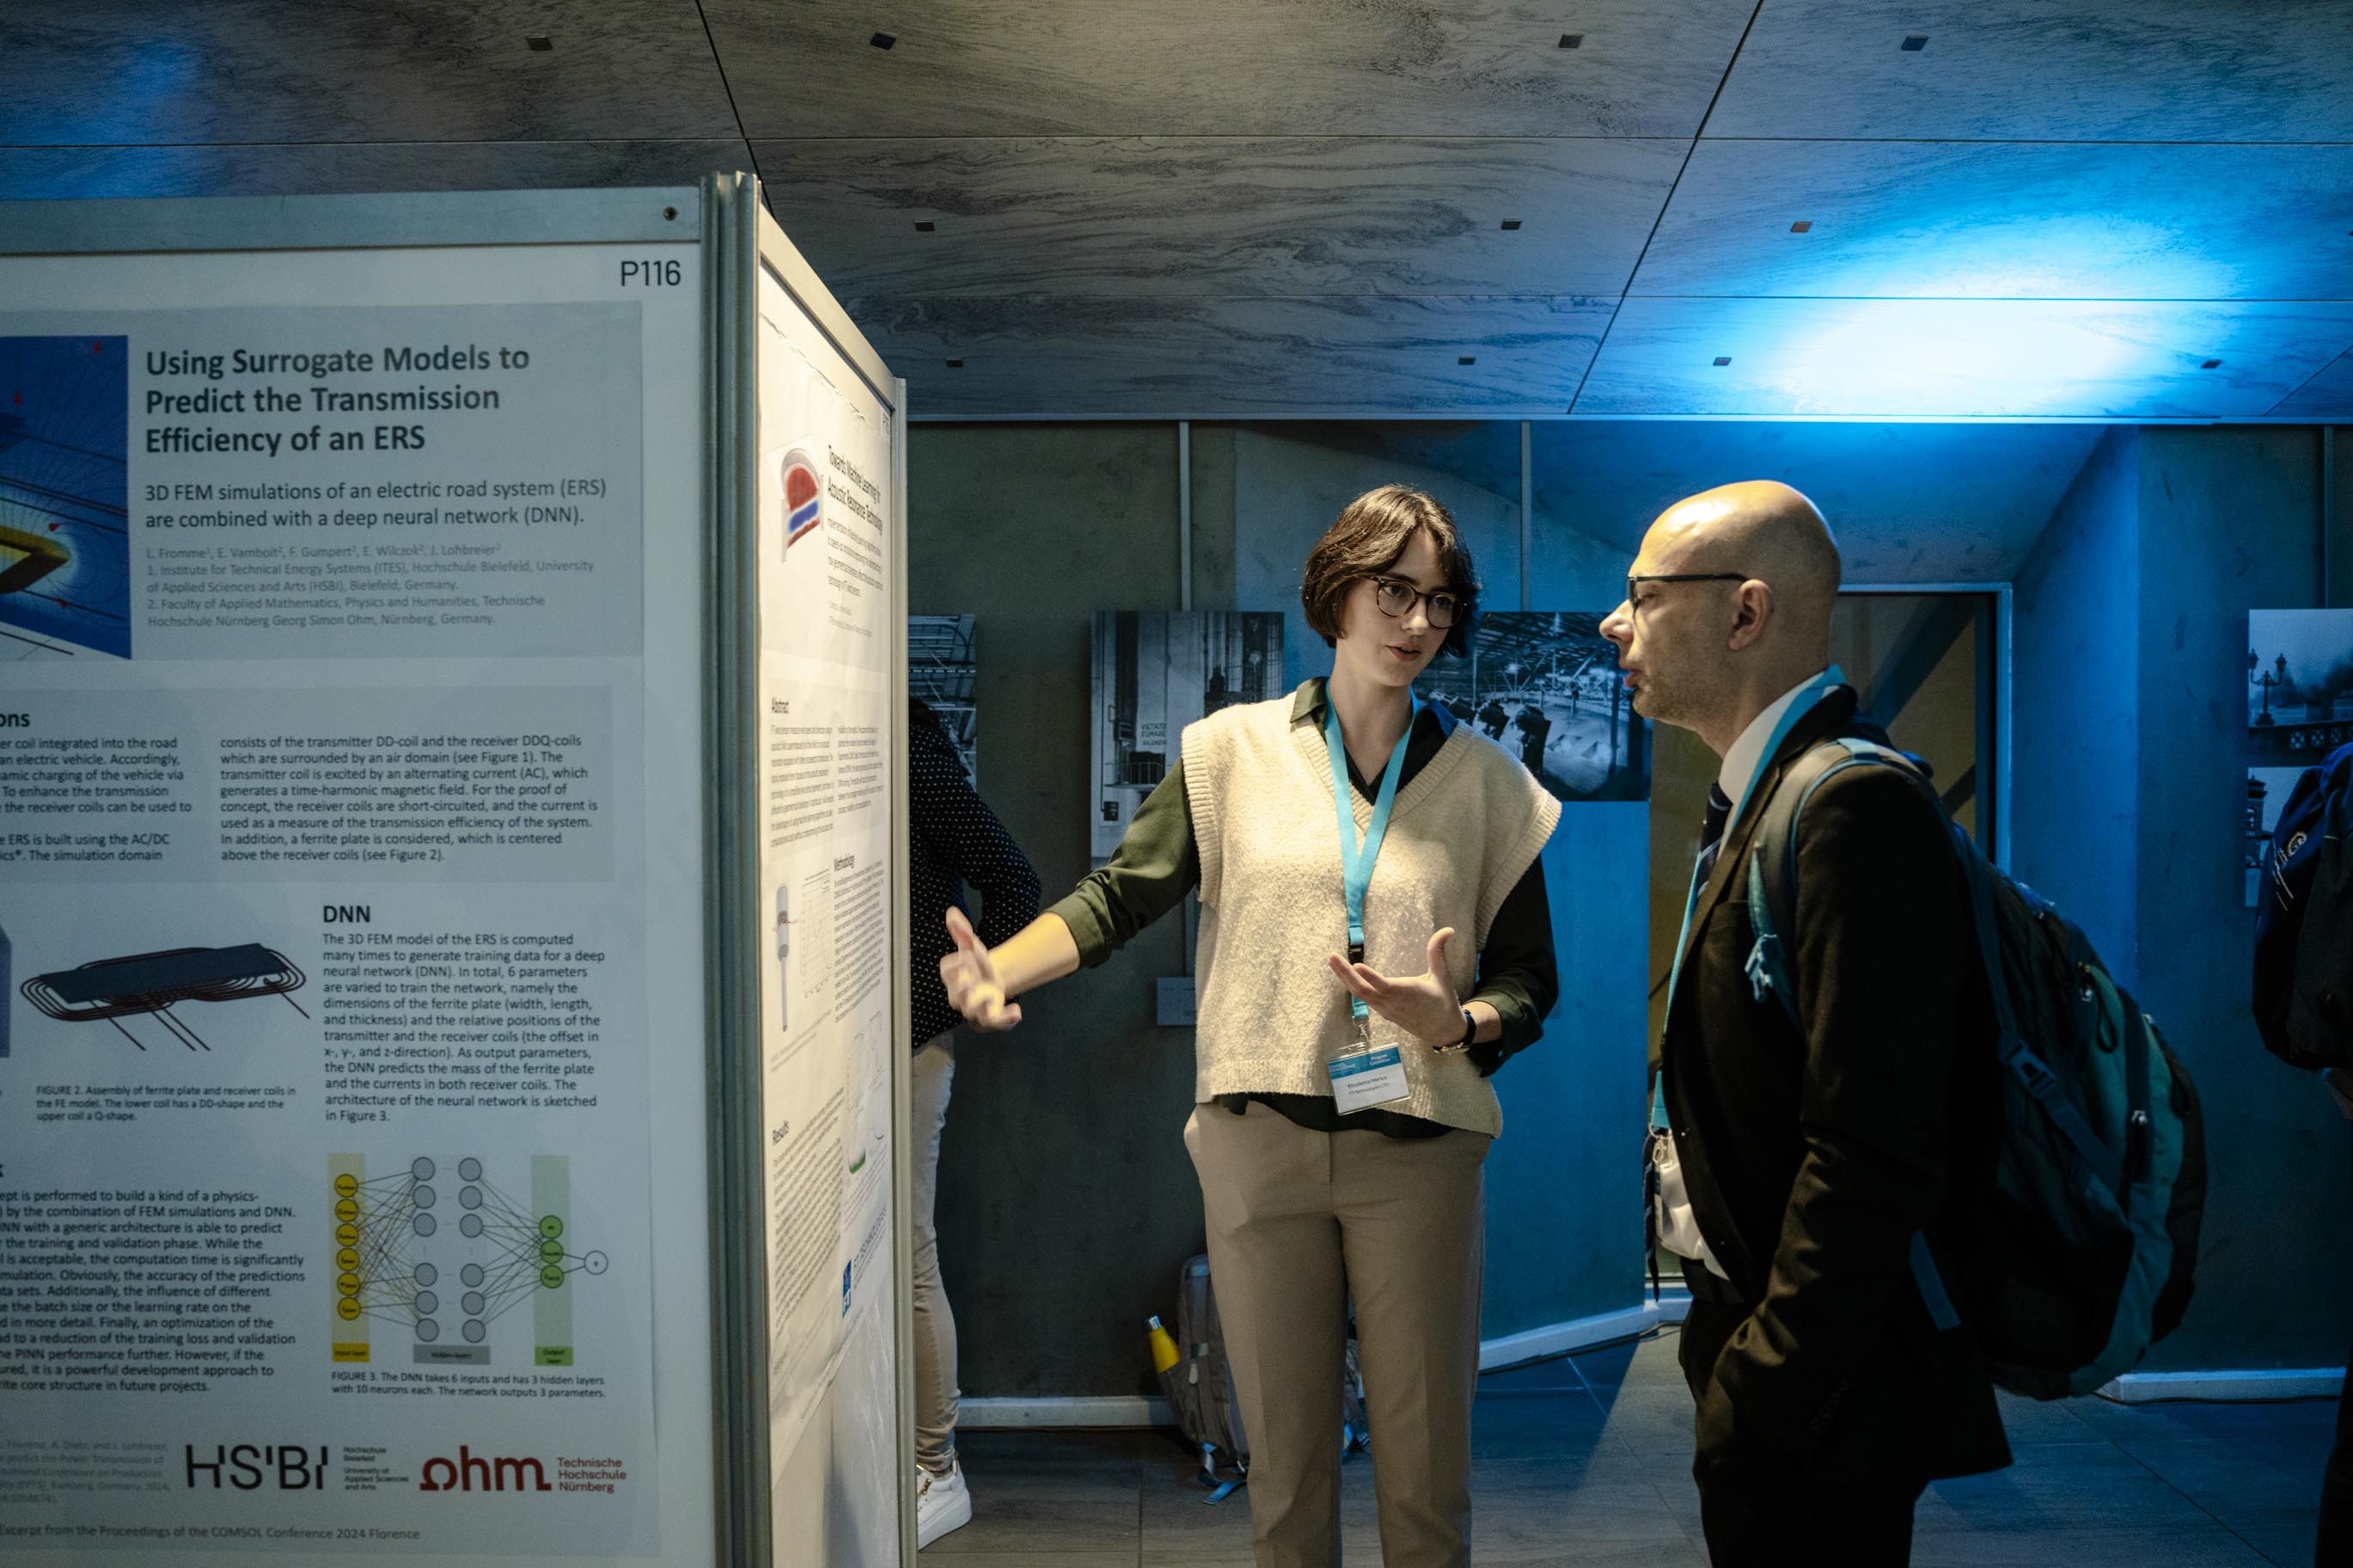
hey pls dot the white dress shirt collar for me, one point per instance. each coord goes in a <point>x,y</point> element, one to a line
<point>1739,768</point>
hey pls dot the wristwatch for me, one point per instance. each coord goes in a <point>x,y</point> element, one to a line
<point>1469,1035</point>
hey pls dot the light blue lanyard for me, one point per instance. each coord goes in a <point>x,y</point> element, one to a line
<point>1357,858</point>
<point>1808,699</point>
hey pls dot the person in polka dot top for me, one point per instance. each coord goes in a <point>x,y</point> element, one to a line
<point>955,843</point>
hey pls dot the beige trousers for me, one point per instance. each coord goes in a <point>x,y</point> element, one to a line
<point>935,1342</point>
<point>1299,1222</point>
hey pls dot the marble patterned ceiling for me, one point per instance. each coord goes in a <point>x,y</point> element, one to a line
<point>1942,209</point>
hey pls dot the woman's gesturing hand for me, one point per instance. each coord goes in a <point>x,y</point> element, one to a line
<point>1424,1005</point>
<point>970,975</point>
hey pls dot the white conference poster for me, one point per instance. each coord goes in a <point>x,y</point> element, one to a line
<point>327,1221</point>
<point>826,883</point>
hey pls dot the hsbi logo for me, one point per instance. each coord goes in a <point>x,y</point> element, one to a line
<point>283,1466</point>
<point>471,1472</point>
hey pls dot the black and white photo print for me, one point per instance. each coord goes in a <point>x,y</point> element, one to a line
<point>1544,685</point>
<point>1156,672</point>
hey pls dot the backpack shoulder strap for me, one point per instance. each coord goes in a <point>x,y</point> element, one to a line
<point>1772,909</point>
<point>1773,854</point>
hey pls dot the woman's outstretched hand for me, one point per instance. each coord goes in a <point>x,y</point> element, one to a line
<point>970,975</point>
<point>1424,1005</point>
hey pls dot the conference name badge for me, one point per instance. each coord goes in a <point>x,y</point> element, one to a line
<point>1363,1079</point>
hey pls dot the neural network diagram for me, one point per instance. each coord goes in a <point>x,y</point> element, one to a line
<point>441,1263</point>
<point>65,497</point>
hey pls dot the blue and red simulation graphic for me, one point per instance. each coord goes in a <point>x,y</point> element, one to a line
<point>804,493</point>
<point>65,497</point>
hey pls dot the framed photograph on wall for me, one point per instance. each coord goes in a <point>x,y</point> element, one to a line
<point>2299,682</point>
<point>1156,672</point>
<point>1544,685</point>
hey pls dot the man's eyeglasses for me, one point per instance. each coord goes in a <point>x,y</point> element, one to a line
<point>1684,577</point>
<point>1397,599</point>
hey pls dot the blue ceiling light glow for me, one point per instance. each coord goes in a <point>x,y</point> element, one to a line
<point>1929,357</point>
<point>2032,255</point>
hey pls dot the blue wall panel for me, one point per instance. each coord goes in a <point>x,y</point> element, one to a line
<point>2074,774</point>
<point>2230,522</point>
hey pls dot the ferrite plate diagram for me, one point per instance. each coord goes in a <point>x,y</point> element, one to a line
<point>150,984</point>
<point>438,1256</point>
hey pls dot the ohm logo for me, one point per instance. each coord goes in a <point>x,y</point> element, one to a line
<point>470,1472</point>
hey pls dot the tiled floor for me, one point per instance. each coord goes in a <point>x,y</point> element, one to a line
<point>1586,1460</point>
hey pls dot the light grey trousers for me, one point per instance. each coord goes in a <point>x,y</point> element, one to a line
<point>1301,1222</point>
<point>935,1342</point>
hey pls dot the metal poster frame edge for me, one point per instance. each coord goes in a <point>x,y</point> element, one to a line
<point>389,221</point>
<point>772,250</point>
<point>665,214</point>
<point>740,1351</point>
<point>902,1188</point>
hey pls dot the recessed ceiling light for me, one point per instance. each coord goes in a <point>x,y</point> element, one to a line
<point>956,365</point>
<point>1467,359</point>
<point>2211,364</point>
<point>1724,359</point>
<point>540,43</point>
<point>1572,40</point>
<point>884,40</point>
<point>1915,43</point>
<point>1511,223</point>
<point>925,225</point>
<point>1803,226</point>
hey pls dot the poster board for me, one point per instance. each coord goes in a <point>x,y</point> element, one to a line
<point>828,539</point>
<point>352,1125</point>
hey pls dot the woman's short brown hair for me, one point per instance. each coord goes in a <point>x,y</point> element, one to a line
<point>1369,537</point>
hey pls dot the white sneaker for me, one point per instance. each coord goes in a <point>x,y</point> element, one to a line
<point>942,1503</point>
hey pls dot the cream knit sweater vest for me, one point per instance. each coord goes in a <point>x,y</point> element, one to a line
<point>1270,1012</point>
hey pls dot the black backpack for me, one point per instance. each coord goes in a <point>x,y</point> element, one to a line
<point>2084,1253</point>
<point>2304,922</point>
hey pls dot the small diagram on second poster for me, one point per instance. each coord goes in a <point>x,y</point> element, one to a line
<point>2299,681</point>
<point>1544,685</point>
<point>940,671</point>
<point>1156,672</point>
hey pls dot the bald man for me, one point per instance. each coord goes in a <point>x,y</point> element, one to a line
<point>1802,1153</point>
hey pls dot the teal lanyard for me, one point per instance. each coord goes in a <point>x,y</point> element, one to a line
<point>1809,697</point>
<point>1357,857</point>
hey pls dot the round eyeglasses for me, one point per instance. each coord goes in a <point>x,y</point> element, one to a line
<point>1397,597</point>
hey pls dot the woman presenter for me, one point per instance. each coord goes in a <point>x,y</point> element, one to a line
<point>1375,942</point>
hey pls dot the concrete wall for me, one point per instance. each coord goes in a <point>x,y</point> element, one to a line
<point>1066,1200</point>
<point>2131,648</point>
<point>2230,522</point>
<point>2075,729</point>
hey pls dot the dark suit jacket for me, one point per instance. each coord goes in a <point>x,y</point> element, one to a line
<point>1813,1156</point>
